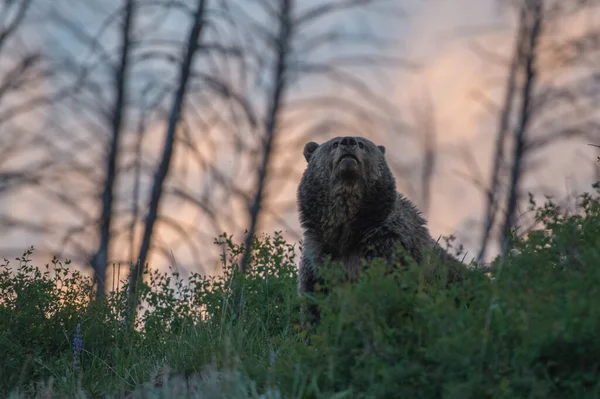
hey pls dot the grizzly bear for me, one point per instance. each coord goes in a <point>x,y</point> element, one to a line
<point>350,210</point>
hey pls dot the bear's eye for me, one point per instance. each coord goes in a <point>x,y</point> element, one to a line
<point>335,144</point>
<point>361,145</point>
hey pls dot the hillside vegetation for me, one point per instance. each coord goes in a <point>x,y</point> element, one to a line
<point>528,327</point>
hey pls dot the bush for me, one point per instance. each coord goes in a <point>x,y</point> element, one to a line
<point>526,328</point>
<point>185,325</point>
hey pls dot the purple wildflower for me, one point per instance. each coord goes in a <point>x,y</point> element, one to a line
<point>77,346</point>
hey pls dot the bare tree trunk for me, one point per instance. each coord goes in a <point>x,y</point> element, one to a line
<point>12,26</point>
<point>100,259</point>
<point>137,174</point>
<point>489,217</point>
<point>163,168</point>
<point>279,78</point>
<point>427,131</point>
<point>24,72</point>
<point>534,11</point>
<point>427,174</point>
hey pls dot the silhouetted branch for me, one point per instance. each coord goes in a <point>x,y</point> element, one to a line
<point>12,26</point>
<point>426,130</point>
<point>325,10</point>
<point>491,204</point>
<point>163,168</point>
<point>534,11</point>
<point>100,260</point>
<point>271,125</point>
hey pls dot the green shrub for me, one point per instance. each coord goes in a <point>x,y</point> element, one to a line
<point>529,331</point>
<point>524,328</point>
<point>185,324</point>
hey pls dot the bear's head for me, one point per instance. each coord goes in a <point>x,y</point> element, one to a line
<point>346,159</point>
<point>347,180</point>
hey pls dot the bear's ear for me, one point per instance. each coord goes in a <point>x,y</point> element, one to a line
<point>381,148</point>
<point>309,149</point>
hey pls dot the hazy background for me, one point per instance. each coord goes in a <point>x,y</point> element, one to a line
<point>454,89</point>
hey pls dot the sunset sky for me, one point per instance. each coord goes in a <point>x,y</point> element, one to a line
<point>448,40</point>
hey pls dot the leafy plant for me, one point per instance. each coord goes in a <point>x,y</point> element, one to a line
<point>524,328</point>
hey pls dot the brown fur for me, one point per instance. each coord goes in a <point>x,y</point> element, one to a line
<point>350,210</point>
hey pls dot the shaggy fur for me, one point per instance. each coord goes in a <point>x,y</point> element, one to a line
<point>350,210</point>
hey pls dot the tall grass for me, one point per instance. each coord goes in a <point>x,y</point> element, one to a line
<point>525,328</point>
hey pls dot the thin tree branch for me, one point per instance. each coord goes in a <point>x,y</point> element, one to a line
<point>100,259</point>
<point>271,125</point>
<point>503,126</point>
<point>163,169</point>
<point>535,19</point>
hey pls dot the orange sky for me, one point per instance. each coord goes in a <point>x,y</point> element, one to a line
<point>434,35</point>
